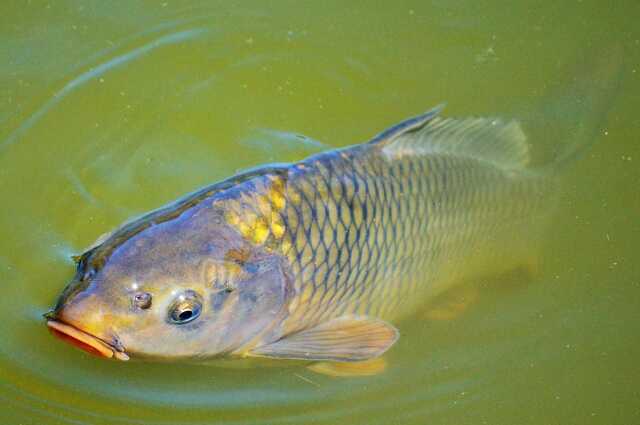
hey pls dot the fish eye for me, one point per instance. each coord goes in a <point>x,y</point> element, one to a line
<point>185,308</point>
<point>142,300</point>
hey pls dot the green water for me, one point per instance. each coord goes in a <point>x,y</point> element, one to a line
<point>108,110</point>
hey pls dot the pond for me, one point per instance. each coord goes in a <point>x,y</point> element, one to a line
<point>109,110</point>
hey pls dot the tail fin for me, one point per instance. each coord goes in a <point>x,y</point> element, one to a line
<point>572,117</point>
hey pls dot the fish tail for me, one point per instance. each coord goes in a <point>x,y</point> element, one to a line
<point>573,118</point>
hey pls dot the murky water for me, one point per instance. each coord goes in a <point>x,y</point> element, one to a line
<point>109,110</point>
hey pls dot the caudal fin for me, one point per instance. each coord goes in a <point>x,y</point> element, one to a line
<point>572,117</point>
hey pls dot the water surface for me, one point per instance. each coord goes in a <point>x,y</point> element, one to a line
<point>109,110</point>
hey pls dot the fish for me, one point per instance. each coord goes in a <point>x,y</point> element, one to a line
<point>312,260</point>
<point>316,260</point>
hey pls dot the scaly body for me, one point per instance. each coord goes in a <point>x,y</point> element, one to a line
<point>376,235</point>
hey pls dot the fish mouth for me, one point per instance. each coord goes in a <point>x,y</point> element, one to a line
<point>85,341</point>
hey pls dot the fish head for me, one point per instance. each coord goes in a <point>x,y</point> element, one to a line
<point>187,288</point>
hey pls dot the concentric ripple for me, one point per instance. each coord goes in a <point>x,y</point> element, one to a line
<point>109,109</point>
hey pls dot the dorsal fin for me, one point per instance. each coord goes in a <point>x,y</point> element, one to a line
<point>406,126</point>
<point>502,143</point>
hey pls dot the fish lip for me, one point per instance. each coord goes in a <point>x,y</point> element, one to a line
<point>86,341</point>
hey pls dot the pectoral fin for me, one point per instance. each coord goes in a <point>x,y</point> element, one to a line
<point>350,369</point>
<point>452,304</point>
<point>347,339</point>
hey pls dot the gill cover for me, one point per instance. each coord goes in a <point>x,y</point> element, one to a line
<point>250,305</point>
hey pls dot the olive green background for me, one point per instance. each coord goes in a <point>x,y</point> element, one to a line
<point>109,109</point>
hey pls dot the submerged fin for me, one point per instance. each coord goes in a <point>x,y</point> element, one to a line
<point>453,304</point>
<point>347,339</point>
<point>369,367</point>
<point>501,143</point>
<point>572,116</point>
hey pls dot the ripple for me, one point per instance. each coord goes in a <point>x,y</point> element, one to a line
<point>277,144</point>
<point>96,72</point>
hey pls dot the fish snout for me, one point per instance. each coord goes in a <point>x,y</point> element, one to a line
<point>81,310</point>
<point>81,322</point>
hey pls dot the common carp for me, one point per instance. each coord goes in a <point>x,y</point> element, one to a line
<point>315,260</point>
